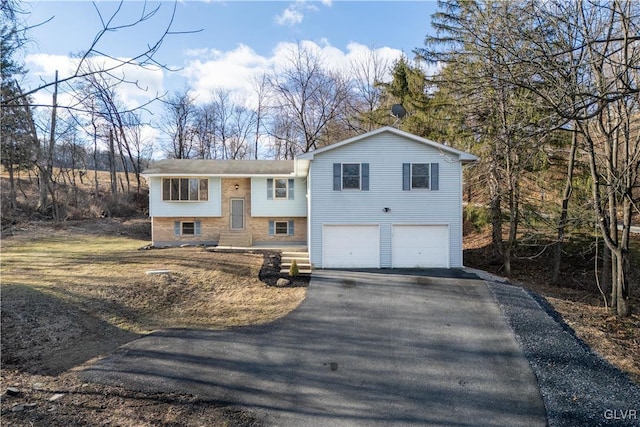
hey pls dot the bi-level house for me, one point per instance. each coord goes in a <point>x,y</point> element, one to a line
<point>384,199</point>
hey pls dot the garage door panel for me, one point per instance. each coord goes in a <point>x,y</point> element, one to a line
<point>420,246</point>
<point>351,246</point>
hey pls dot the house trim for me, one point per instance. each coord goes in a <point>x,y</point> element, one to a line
<point>462,156</point>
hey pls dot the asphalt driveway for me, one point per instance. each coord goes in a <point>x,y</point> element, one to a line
<point>364,348</point>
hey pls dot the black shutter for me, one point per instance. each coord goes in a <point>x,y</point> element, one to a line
<point>270,189</point>
<point>291,189</point>
<point>406,176</point>
<point>365,177</point>
<point>435,179</point>
<point>337,177</point>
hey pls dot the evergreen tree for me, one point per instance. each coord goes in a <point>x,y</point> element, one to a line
<point>18,143</point>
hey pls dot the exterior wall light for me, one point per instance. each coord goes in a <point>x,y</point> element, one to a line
<point>237,186</point>
<point>386,209</point>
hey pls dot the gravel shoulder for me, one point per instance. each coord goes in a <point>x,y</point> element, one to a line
<point>578,387</point>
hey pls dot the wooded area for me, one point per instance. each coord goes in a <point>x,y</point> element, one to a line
<point>545,93</point>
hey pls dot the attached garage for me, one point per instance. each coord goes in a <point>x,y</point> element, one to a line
<point>420,246</point>
<point>351,246</point>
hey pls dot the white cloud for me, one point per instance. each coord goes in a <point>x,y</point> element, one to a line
<point>234,70</point>
<point>143,83</point>
<point>294,13</point>
<point>196,52</point>
<point>290,16</point>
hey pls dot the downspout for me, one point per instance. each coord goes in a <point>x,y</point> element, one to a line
<point>308,195</point>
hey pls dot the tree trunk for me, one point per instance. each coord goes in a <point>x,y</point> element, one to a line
<point>622,285</point>
<point>606,281</point>
<point>624,260</point>
<point>496,227</point>
<point>112,164</point>
<point>47,157</point>
<point>514,219</point>
<point>95,162</point>
<point>564,213</point>
<point>12,189</point>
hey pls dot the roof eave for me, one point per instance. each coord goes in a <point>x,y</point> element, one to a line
<point>223,175</point>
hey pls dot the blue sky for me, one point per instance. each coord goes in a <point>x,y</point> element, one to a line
<point>235,40</point>
<point>259,24</point>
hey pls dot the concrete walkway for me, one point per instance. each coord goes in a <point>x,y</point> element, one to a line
<point>364,348</point>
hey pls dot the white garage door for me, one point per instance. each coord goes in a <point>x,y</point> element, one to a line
<point>351,246</point>
<point>420,246</point>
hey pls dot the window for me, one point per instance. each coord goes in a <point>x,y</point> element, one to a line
<point>351,176</point>
<point>420,176</point>
<point>186,228</point>
<point>185,189</point>
<point>280,189</point>
<point>281,228</point>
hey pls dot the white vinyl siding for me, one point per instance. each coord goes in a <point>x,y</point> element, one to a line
<point>385,153</point>
<point>185,208</point>
<point>264,204</point>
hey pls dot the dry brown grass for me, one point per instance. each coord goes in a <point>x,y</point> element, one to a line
<point>108,278</point>
<point>77,290</point>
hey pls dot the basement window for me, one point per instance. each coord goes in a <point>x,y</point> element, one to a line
<point>281,228</point>
<point>187,228</point>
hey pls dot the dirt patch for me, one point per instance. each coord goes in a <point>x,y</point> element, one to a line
<point>65,401</point>
<point>577,299</point>
<point>75,291</point>
<point>43,334</point>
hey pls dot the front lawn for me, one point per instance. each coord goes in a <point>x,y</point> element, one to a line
<point>76,291</point>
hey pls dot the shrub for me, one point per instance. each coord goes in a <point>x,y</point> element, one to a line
<point>476,216</point>
<point>293,270</point>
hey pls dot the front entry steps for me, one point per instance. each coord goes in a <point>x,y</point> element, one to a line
<point>235,239</point>
<point>302,259</point>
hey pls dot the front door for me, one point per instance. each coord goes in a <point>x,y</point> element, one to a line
<point>237,214</point>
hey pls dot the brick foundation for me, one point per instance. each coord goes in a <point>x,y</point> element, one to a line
<point>211,227</point>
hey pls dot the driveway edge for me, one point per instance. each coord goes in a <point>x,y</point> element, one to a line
<point>578,386</point>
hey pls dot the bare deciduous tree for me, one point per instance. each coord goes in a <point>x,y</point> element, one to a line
<point>309,96</point>
<point>366,75</point>
<point>178,124</point>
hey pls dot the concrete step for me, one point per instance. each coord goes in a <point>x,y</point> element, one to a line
<point>300,271</point>
<point>301,258</point>
<point>301,265</point>
<point>296,255</point>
